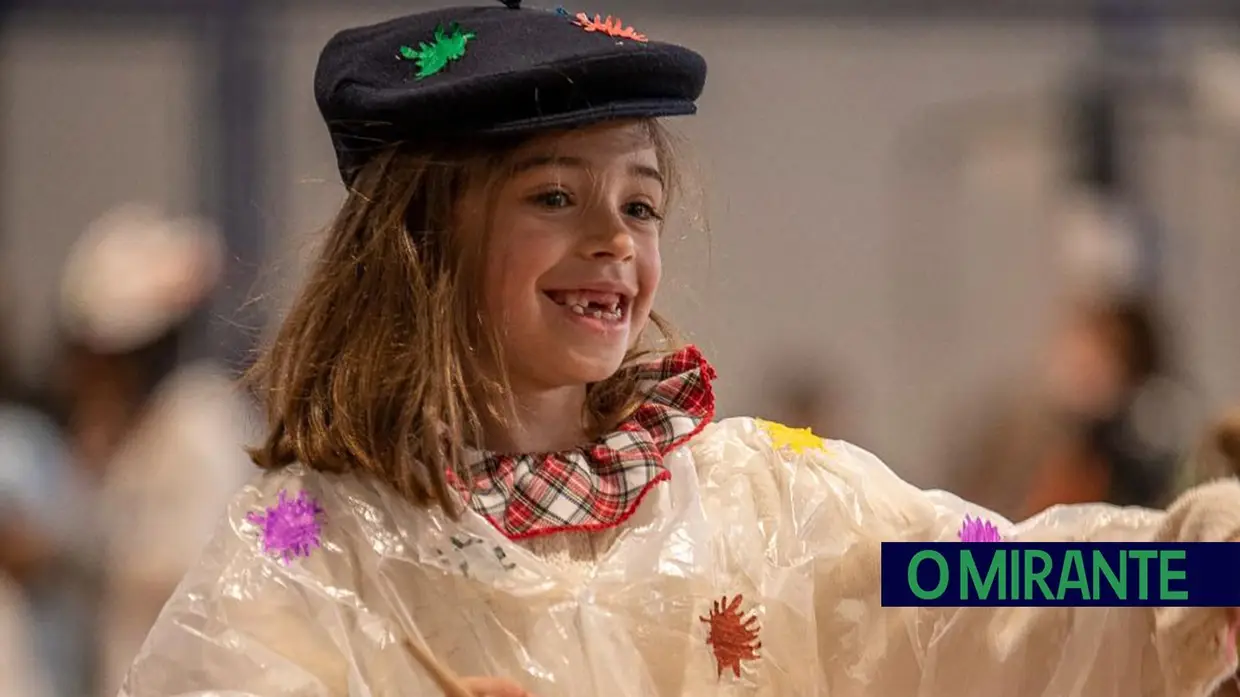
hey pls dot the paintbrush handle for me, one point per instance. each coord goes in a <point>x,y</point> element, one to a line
<point>444,678</point>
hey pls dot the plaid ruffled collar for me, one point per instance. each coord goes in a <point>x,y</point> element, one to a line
<point>597,486</point>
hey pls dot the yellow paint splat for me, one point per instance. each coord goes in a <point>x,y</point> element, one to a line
<point>798,440</point>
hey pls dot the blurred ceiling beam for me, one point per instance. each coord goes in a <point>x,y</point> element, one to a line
<point>921,10</point>
<point>235,92</point>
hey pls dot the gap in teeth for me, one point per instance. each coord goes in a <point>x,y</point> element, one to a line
<point>572,299</point>
<point>596,311</point>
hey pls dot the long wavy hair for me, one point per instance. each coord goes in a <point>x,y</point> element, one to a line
<point>386,363</point>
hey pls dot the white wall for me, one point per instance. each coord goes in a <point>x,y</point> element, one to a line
<point>856,204</point>
<point>91,119</point>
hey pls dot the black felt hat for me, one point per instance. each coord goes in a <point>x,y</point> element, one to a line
<point>479,71</point>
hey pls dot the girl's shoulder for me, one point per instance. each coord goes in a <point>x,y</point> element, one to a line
<point>738,439</point>
<point>298,498</point>
<point>796,462</point>
<point>769,455</point>
<point>296,518</point>
<point>802,482</point>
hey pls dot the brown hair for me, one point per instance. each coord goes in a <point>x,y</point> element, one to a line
<point>1224,440</point>
<point>1217,454</point>
<point>381,365</point>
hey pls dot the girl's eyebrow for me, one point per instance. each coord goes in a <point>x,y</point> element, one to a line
<point>647,172</point>
<point>536,161</point>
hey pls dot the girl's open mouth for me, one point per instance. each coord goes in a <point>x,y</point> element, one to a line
<point>590,303</point>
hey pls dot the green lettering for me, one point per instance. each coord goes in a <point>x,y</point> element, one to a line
<point>1015,575</point>
<point>1167,575</point>
<point>1038,577</point>
<point>1120,584</point>
<point>1143,579</point>
<point>971,577</point>
<point>912,575</point>
<point>1073,563</point>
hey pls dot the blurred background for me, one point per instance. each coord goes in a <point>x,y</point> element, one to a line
<point>997,243</point>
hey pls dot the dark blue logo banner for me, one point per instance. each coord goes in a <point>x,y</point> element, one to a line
<point>1027,574</point>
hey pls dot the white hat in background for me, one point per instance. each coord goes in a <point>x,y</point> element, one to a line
<point>1100,254</point>
<point>134,274</point>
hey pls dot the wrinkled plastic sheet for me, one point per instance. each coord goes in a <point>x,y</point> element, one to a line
<point>753,571</point>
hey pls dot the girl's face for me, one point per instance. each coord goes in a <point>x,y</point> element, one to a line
<point>573,262</point>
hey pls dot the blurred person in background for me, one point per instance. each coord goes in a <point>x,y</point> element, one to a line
<point>1109,419</point>
<point>48,579</point>
<point>1106,420</point>
<point>166,435</point>
<point>1123,417</point>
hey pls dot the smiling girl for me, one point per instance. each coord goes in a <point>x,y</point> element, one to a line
<point>485,446</point>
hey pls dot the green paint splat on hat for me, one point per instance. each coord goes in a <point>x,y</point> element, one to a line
<point>447,46</point>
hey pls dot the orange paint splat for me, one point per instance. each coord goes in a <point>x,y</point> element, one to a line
<point>733,636</point>
<point>611,26</point>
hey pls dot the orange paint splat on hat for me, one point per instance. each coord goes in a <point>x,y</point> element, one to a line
<point>612,26</point>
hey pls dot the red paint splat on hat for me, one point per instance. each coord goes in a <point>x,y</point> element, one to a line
<point>733,636</point>
<point>612,26</point>
<point>290,528</point>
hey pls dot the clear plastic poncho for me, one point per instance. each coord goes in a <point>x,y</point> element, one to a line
<point>752,570</point>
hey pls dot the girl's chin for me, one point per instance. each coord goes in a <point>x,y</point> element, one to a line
<point>587,367</point>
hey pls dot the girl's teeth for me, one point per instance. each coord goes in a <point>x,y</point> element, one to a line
<point>573,299</point>
<point>597,313</point>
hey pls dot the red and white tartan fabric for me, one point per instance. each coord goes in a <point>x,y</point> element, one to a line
<point>598,486</point>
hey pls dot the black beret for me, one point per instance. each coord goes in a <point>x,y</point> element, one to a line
<point>479,71</point>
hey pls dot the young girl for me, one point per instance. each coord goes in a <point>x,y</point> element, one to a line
<point>478,449</point>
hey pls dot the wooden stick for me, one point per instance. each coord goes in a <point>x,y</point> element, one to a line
<point>447,681</point>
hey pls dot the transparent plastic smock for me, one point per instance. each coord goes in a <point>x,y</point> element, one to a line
<point>752,570</point>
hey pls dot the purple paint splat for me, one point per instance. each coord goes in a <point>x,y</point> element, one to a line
<point>979,530</point>
<point>290,528</point>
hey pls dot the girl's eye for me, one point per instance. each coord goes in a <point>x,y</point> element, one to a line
<point>557,198</point>
<point>642,211</point>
